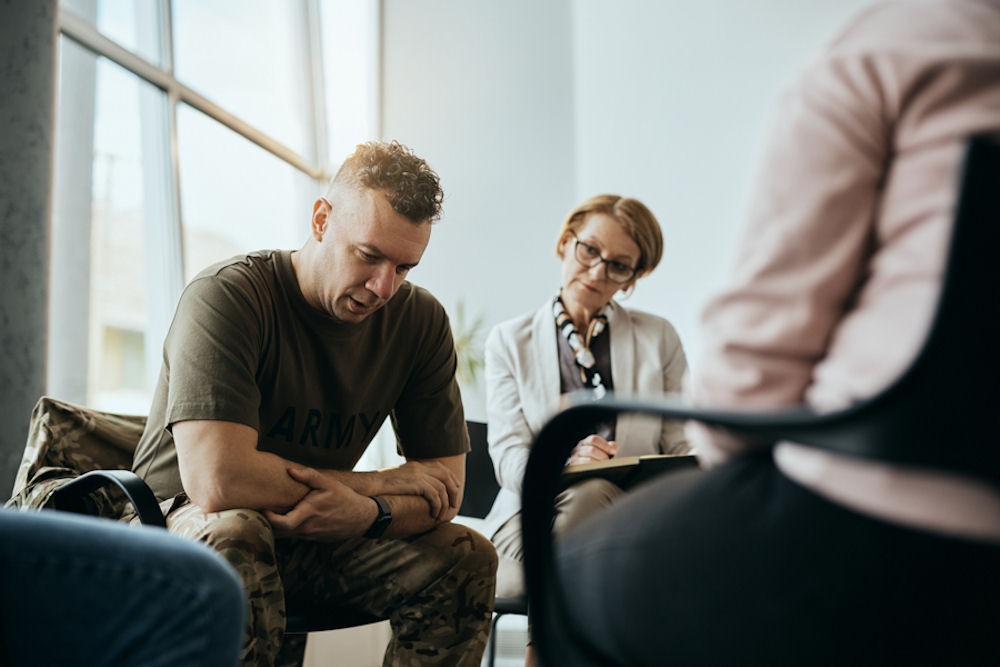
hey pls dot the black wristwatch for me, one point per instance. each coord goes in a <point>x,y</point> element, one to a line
<point>383,519</point>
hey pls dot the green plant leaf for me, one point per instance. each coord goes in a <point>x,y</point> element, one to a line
<point>468,349</point>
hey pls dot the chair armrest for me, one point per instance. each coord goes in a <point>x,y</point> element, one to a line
<point>70,496</point>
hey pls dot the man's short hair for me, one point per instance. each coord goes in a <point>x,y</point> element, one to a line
<point>407,181</point>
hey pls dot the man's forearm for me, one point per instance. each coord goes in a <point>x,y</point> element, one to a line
<point>267,484</point>
<point>259,482</point>
<point>410,516</point>
<point>423,493</point>
<point>366,483</point>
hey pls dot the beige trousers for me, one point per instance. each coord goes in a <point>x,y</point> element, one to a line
<point>572,506</point>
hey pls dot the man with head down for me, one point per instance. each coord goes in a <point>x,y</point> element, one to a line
<point>279,368</point>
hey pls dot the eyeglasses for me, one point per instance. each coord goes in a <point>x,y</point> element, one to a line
<point>589,256</point>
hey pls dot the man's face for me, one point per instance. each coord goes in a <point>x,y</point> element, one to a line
<point>364,251</point>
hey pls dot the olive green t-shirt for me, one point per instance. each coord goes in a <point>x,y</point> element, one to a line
<point>246,347</point>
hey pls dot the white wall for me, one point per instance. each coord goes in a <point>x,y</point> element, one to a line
<point>484,91</point>
<point>527,107</point>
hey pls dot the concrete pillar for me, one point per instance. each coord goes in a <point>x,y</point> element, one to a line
<point>27,97</point>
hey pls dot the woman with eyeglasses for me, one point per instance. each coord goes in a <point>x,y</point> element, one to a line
<point>580,339</point>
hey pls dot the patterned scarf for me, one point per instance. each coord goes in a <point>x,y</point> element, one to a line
<point>581,346</point>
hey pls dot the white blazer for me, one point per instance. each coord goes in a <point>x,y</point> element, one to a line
<point>523,391</point>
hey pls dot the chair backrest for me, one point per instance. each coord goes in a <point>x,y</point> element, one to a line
<point>481,485</point>
<point>942,411</point>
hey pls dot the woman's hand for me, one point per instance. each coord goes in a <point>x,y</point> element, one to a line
<point>592,448</point>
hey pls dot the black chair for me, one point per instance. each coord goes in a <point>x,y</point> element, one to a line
<point>940,413</point>
<point>481,489</point>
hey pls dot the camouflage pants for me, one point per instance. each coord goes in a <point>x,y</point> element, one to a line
<point>436,588</point>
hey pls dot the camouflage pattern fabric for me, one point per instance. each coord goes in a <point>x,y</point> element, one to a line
<point>65,441</point>
<point>436,589</point>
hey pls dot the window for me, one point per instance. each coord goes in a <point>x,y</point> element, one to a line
<point>187,131</point>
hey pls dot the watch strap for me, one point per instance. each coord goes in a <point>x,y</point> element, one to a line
<point>382,520</point>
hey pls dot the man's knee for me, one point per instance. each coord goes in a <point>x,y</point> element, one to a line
<point>467,547</point>
<point>240,528</point>
<point>243,537</point>
<point>443,615</point>
<point>462,552</point>
<point>464,576</point>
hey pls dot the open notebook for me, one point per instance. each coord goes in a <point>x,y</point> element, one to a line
<point>627,471</point>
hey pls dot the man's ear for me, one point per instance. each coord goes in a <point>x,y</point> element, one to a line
<point>320,216</point>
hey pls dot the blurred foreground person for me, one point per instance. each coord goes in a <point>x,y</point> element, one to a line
<point>87,592</point>
<point>798,555</point>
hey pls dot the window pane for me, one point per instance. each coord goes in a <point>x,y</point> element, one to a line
<point>350,68</point>
<point>236,197</point>
<point>249,57</point>
<point>135,24</point>
<point>109,189</point>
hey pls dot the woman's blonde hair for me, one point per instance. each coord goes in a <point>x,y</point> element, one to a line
<point>637,221</point>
